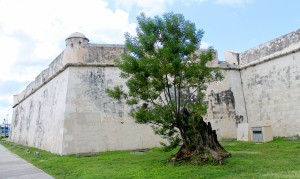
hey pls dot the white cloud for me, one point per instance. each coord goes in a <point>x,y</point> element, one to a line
<point>149,7</point>
<point>234,3</point>
<point>7,98</point>
<point>204,45</point>
<point>5,113</point>
<point>41,27</point>
<point>32,33</point>
<point>189,2</point>
<point>9,54</point>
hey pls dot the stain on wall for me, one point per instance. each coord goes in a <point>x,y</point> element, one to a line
<point>36,121</point>
<point>222,105</point>
<point>272,95</point>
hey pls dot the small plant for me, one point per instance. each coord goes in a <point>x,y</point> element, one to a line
<point>279,138</point>
<point>295,137</point>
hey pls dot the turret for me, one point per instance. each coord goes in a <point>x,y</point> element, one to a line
<point>76,39</point>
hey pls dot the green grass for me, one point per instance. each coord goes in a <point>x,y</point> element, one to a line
<point>277,159</point>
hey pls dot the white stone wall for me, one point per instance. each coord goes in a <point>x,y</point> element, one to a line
<point>226,107</point>
<point>65,109</point>
<point>279,46</point>
<point>94,121</point>
<point>38,120</point>
<point>272,93</point>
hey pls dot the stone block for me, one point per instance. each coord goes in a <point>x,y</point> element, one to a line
<point>261,134</point>
<point>243,132</point>
<point>89,154</point>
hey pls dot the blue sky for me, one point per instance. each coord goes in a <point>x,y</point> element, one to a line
<point>32,32</point>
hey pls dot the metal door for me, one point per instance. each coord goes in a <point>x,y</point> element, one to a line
<point>257,134</point>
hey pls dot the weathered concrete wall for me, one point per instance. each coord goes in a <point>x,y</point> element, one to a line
<point>272,93</point>
<point>226,107</point>
<point>270,78</point>
<point>279,46</point>
<point>66,110</point>
<point>93,54</point>
<point>269,84</point>
<point>95,122</point>
<point>38,120</point>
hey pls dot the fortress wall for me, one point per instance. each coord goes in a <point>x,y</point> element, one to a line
<point>272,93</point>
<point>38,120</point>
<point>93,54</point>
<point>66,110</point>
<point>226,107</point>
<point>277,47</point>
<point>103,54</point>
<point>94,121</point>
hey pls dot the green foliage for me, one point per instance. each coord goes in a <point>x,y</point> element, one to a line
<point>165,74</point>
<point>116,93</point>
<point>278,159</point>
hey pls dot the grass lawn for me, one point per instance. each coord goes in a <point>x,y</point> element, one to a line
<point>277,159</point>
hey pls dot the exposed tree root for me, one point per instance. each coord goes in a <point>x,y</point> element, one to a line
<point>205,146</point>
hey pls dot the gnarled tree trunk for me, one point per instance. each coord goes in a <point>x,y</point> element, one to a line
<point>200,143</point>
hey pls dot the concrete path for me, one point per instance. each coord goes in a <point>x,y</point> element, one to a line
<point>12,166</point>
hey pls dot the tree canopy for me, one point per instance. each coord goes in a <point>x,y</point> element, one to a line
<point>166,79</point>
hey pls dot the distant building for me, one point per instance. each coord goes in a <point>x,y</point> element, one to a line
<point>4,130</point>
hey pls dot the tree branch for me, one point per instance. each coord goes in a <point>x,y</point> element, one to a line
<point>175,93</point>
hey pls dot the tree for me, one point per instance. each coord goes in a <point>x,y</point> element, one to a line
<point>166,80</point>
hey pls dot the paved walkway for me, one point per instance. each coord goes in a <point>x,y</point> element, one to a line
<point>12,166</point>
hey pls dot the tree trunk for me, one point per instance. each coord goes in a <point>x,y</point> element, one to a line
<point>204,145</point>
